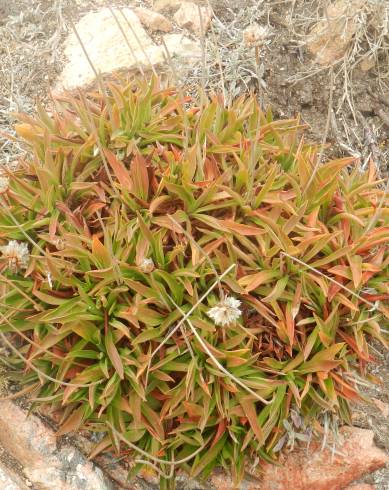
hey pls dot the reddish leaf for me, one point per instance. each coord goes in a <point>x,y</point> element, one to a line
<point>119,169</point>
<point>113,354</point>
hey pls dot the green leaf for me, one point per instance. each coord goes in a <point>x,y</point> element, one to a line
<point>209,458</point>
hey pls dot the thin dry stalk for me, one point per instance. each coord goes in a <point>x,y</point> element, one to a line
<point>313,269</point>
<point>135,35</point>
<point>325,136</point>
<point>139,66</point>
<point>19,290</point>
<point>218,59</point>
<point>84,49</point>
<point>203,59</point>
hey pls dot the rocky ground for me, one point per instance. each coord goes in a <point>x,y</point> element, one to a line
<point>331,65</point>
<point>33,457</point>
<point>335,74</point>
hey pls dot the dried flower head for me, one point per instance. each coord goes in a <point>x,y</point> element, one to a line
<point>226,311</point>
<point>255,35</point>
<point>147,265</point>
<point>17,255</point>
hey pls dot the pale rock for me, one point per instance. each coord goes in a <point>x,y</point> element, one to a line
<point>382,407</point>
<point>184,53</point>
<point>302,469</point>
<point>110,53</point>
<point>106,47</point>
<point>50,466</point>
<point>188,17</point>
<point>10,480</point>
<point>182,47</point>
<point>47,466</point>
<point>356,456</point>
<point>331,36</point>
<point>153,20</point>
<point>166,5</point>
<point>360,486</point>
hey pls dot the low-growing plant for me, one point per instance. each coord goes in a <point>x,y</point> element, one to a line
<point>183,279</point>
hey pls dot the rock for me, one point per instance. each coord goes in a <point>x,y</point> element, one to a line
<point>10,481</point>
<point>184,53</point>
<point>153,20</point>
<point>356,456</point>
<point>360,486</point>
<point>184,48</point>
<point>188,16</point>
<point>49,465</point>
<point>34,445</point>
<point>106,47</point>
<point>115,468</point>
<point>109,51</point>
<point>382,407</point>
<point>316,470</point>
<point>166,5</point>
<point>331,36</point>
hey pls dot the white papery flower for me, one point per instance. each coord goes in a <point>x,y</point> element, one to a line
<point>147,265</point>
<point>227,311</point>
<point>17,255</point>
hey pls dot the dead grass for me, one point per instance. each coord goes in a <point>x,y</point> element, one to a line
<point>30,59</point>
<point>282,72</point>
